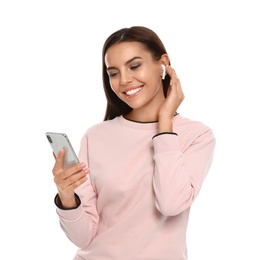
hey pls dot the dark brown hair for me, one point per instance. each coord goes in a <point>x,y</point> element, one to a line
<point>152,43</point>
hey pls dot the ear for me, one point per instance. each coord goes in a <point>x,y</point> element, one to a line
<point>165,59</point>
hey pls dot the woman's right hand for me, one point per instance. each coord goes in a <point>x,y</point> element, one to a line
<point>68,180</point>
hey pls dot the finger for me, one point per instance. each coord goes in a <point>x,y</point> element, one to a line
<point>79,182</point>
<point>172,74</point>
<point>77,176</point>
<point>58,167</point>
<point>73,179</point>
<point>70,173</point>
<point>175,85</point>
<point>175,82</point>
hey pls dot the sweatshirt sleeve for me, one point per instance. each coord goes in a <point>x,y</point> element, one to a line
<point>80,224</point>
<point>180,170</point>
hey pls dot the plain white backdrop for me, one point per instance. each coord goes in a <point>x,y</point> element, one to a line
<point>50,79</point>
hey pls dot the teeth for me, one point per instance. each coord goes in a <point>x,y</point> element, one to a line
<point>133,91</point>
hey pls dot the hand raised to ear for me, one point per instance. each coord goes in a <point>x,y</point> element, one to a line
<point>175,96</point>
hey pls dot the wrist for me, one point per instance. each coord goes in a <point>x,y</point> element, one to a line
<point>165,125</point>
<point>67,203</point>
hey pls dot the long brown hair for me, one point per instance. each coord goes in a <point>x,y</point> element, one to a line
<point>115,106</point>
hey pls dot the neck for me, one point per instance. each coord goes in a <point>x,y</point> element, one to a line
<point>140,116</point>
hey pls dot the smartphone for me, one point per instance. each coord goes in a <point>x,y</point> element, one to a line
<point>59,141</point>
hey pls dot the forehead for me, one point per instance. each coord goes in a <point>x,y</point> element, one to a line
<point>120,53</point>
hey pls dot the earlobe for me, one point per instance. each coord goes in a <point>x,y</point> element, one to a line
<point>163,71</point>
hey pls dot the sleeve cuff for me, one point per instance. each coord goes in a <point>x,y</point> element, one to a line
<point>60,206</point>
<point>163,133</point>
<point>166,143</point>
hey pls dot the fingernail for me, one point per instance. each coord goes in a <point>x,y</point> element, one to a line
<point>82,164</point>
<point>86,170</point>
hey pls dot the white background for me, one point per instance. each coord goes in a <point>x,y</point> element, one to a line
<point>50,79</point>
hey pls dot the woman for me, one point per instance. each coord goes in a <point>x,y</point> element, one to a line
<point>142,167</point>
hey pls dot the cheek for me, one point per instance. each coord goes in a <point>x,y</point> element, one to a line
<point>149,75</point>
<point>144,75</point>
<point>115,89</point>
<point>112,85</point>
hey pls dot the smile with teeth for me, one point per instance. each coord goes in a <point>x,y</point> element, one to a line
<point>133,91</point>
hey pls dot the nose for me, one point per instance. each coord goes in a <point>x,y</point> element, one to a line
<point>125,78</point>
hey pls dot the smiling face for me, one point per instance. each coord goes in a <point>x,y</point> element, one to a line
<point>135,78</point>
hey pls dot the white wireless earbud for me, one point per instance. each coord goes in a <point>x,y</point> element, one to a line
<point>163,71</point>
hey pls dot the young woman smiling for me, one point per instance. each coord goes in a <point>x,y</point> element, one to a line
<point>141,168</point>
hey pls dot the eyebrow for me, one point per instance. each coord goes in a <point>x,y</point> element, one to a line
<point>126,63</point>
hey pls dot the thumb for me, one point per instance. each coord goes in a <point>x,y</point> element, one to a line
<point>60,158</point>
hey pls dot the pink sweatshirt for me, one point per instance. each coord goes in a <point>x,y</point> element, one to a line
<point>136,201</point>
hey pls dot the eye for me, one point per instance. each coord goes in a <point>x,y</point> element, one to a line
<point>113,74</point>
<point>134,67</point>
